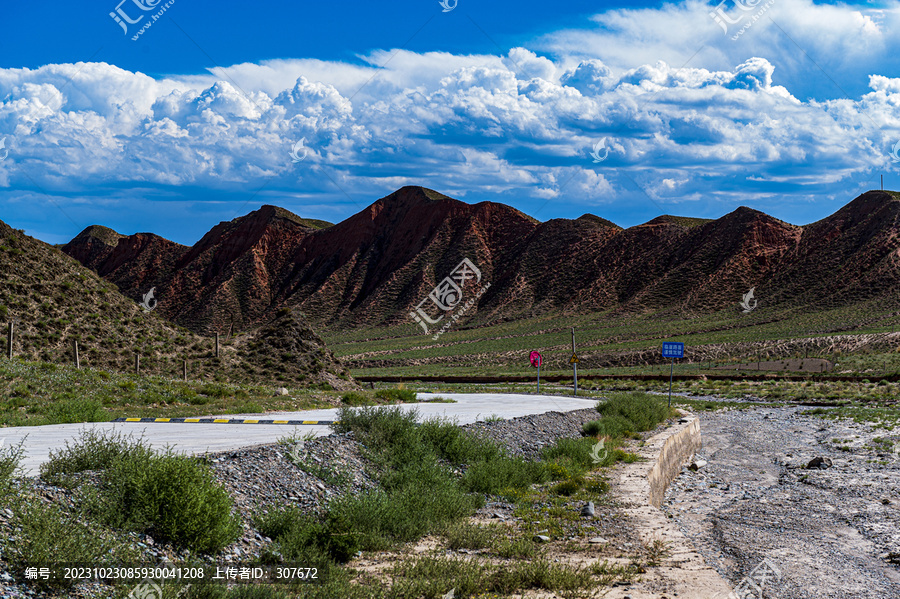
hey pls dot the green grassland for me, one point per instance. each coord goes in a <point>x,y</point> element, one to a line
<point>607,343</point>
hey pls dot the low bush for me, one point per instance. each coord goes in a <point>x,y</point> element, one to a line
<point>396,395</point>
<point>67,411</point>
<point>301,536</point>
<point>94,450</point>
<point>642,410</point>
<point>614,426</point>
<point>10,456</point>
<point>514,548</point>
<point>173,497</point>
<point>48,536</point>
<point>448,441</point>
<point>566,487</point>
<point>492,476</point>
<point>355,399</point>
<point>463,535</point>
<point>405,513</point>
<point>575,452</point>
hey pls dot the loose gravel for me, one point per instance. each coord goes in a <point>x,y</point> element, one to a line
<point>832,533</point>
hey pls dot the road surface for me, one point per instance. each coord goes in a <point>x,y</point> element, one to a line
<point>194,438</point>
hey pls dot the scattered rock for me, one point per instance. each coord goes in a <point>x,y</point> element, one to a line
<point>697,465</point>
<point>540,539</point>
<point>588,510</point>
<point>281,391</point>
<point>819,462</point>
<point>598,541</point>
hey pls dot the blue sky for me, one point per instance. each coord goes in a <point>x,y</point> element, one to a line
<point>787,106</point>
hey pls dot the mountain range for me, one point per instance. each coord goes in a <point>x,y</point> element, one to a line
<point>53,301</point>
<point>374,268</point>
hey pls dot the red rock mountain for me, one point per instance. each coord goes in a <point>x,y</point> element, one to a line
<point>374,268</point>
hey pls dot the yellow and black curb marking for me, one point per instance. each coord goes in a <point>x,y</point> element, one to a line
<point>223,421</point>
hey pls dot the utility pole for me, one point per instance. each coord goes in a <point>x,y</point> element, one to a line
<point>574,363</point>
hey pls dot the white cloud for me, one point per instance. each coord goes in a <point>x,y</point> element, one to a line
<point>523,123</point>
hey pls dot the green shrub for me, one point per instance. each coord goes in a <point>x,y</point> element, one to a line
<point>300,537</point>
<point>514,548</point>
<point>94,450</point>
<point>396,395</point>
<point>46,536</point>
<point>389,432</point>
<point>463,535</point>
<point>214,390</point>
<point>507,472</point>
<point>566,487</point>
<point>642,410</point>
<point>572,451</point>
<point>405,513</point>
<point>353,398</point>
<point>173,497</point>
<point>10,456</point>
<point>448,441</point>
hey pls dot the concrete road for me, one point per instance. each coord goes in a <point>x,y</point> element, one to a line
<point>195,438</point>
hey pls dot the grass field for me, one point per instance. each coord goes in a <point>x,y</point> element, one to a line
<point>858,339</point>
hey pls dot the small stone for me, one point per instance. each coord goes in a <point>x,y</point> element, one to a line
<point>281,391</point>
<point>598,541</point>
<point>540,538</point>
<point>588,510</point>
<point>697,465</point>
<point>820,463</point>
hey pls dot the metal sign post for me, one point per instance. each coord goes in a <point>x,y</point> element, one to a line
<point>536,358</point>
<point>574,363</point>
<point>672,349</point>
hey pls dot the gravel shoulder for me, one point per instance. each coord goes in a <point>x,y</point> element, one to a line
<point>832,533</point>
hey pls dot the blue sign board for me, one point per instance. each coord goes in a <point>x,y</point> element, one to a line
<point>673,349</point>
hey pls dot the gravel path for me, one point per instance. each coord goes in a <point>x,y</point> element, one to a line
<point>832,533</point>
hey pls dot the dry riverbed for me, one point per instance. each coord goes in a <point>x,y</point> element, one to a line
<point>831,533</point>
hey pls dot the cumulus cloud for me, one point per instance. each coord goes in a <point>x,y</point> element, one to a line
<point>524,123</point>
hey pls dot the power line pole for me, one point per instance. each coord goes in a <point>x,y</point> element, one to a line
<point>574,363</point>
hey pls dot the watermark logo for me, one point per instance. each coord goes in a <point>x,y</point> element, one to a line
<point>123,18</point>
<point>149,297</point>
<point>748,297</point>
<point>744,6</point>
<point>448,295</point>
<point>295,151</point>
<point>596,153</point>
<point>599,452</point>
<point>445,4</point>
<point>3,151</point>
<point>751,587</point>
<point>146,590</point>
<point>895,155</point>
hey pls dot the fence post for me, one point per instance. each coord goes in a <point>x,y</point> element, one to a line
<point>77,361</point>
<point>217,345</point>
<point>137,363</point>
<point>184,370</point>
<point>9,341</point>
